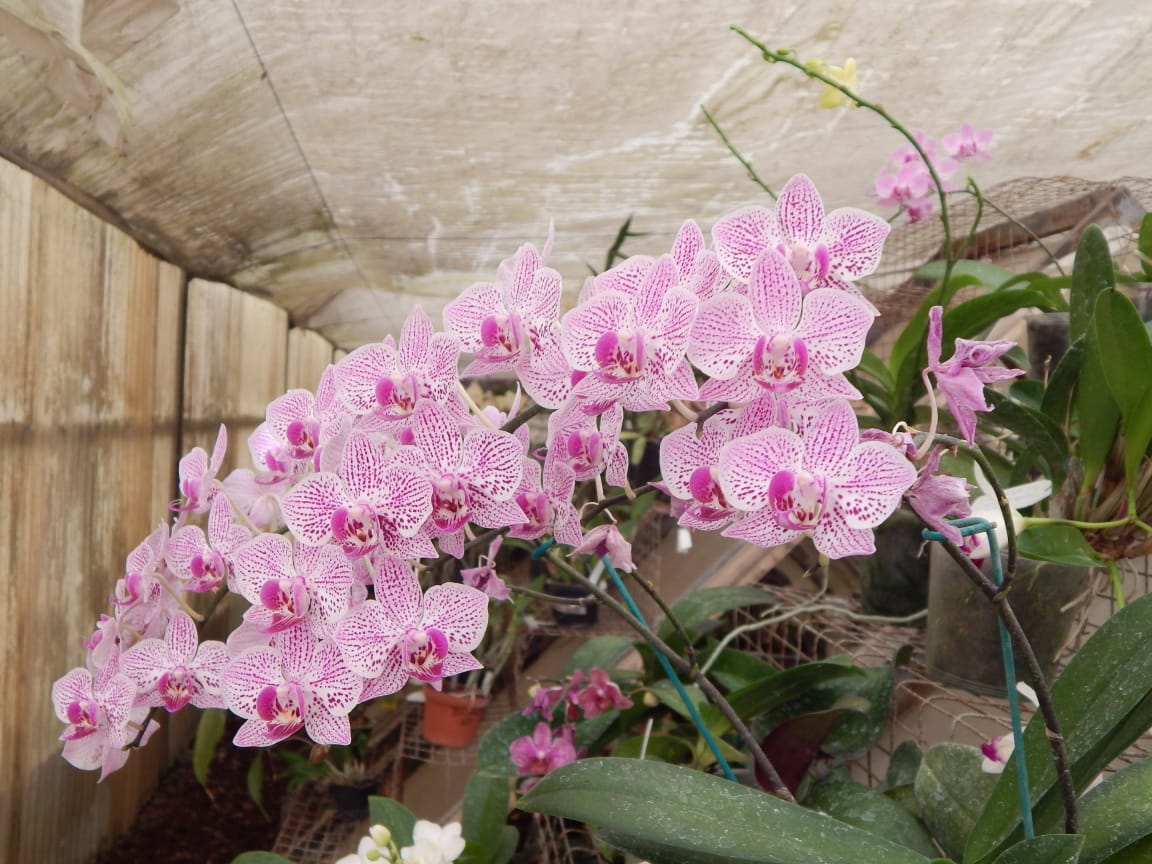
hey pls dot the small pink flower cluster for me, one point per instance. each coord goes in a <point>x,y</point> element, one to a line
<point>387,463</point>
<point>906,181</point>
<point>547,748</point>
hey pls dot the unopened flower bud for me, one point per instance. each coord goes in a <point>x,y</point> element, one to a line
<point>650,699</point>
<point>380,835</point>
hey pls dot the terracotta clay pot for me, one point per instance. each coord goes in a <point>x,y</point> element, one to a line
<point>452,719</point>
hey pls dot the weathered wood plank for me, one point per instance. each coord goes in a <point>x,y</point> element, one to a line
<point>78,443</point>
<point>309,354</point>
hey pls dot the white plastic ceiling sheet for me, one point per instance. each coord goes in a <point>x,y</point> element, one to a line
<point>354,157</point>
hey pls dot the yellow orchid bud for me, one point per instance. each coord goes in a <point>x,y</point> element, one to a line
<point>830,97</point>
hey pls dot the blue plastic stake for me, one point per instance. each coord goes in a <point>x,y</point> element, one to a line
<point>968,527</point>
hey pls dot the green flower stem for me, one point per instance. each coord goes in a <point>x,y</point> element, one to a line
<point>1117,585</point>
<point>1032,235</point>
<point>684,667</point>
<point>1029,521</point>
<point>999,599</point>
<point>731,149</point>
<point>788,58</point>
<point>975,222</point>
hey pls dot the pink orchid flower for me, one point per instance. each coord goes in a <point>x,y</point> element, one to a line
<point>827,484</point>
<point>405,633</point>
<point>544,700</point>
<point>968,143</point>
<point>297,683</point>
<point>606,541</point>
<point>375,501</point>
<point>484,578</point>
<point>632,346</point>
<point>391,381</point>
<point>601,694</point>
<point>545,496</point>
<point>198,483</point>
<point>935,497</point>
<point>289,585</point>
<point>204,563</point>
<point>961,378</point>
<point>178,669</point>
<point>824,251</point>
<point>473,478</point>
<point>587,444</point>
<point>698,268</point>
<point>100,716</point>
<point>778,339</point>
<point>513,323</point>
<point>542,751</point>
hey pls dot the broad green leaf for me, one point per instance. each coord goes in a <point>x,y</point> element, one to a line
<point>1061,544</point>
<point>950,791</point>
<point>799,690</point>
<point>851,802</point>
<point>666,813</point>
<point>1138,853</point>
<point>485,810</point>
<point>971,318</point>
<point>665,748</point>
<point>1028,392</point>
<point>669,696</point>
<point>1062,383</point>
<point>1117,814</point>
<point>492,756</point>
<point>859,731</point>
<point>509,841</point>
<point>601,652</point>
<point>695,609</point>
<point>968,272</point>
<point>1097,414</point>
<point>1104,701</point>
<point>904,764</point>
<point>255,781</point>
<point>872,365</point>
<point>795,744</point>
<point>735,670</point>
<point>1045,849</point>
<point>209,731</point>
<point>1092,272</point>
<point>1144,245</point>
<point>394,816</point>
<point>261,858</point>
<point>1125,348</point>
<point>1038,433</point>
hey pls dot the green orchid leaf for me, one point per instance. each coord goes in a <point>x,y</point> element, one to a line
<point>509,842</point>
<point>695,610</point>
<point>1028,392</point>
<point>799,690</point>
<point>394,816</point>
<point>1144,245</point>
<point>261,858</point>
<point>903,765</point>
<point>967,272</point>
<point>1124,346</point>
<point>1104,701</point>
<point>870,810</point>
<point>1040,436</point>
<point>599,652</point>
<point>666,813</point>
<point>492,756</point>
<point>793,746</point>
<point>209,731</point>
<point>860,730</point>
<point>485,810</point>
<point>871,364</point>
<point>255,781</point>
<point>735,670</point>
<point>665,748</point>
<point>1062,384</point>
<point>1061,544</point>
<point>950,790</point>
<point>1046,849</point>
<point>1097,413</point>
<point>1092,272</point>
<point>1117,814</point>
<point>972,318</point>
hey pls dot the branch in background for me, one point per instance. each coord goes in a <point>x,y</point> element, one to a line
<point>753,176</point>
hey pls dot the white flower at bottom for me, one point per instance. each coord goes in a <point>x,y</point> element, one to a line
<point>433,844</point>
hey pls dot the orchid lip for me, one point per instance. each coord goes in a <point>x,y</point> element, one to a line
<point>356,529</point>
<point>797,497</point>
<point>779,362</point>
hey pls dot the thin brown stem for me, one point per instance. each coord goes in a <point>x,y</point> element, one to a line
<point>523,417</point>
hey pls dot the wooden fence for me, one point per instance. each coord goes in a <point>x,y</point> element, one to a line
<point>112,364</point>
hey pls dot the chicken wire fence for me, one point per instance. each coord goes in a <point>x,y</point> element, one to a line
<point>1023,225</point>
<point>808,625</point>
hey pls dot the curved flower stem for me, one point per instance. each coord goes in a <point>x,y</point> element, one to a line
<point>1001,500</point>
<point>650,589</point>
<point>1032,235</point>
<point>1075,523</point>
<point>975,222</point>
<point>934,420</point>
<point>683,666</point>
<point>999,599</point>
<point>789,59</point>
<point>731,149</point>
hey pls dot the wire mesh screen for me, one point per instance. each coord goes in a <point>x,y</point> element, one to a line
<point>1023,224</point>
<point>923,710</point>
